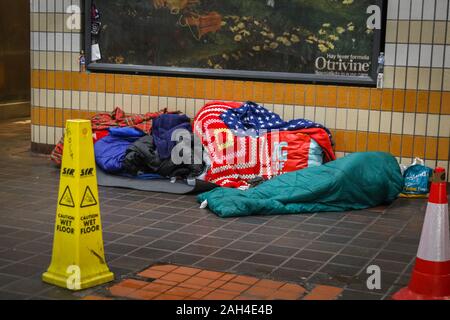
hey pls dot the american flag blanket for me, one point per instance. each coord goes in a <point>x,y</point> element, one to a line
<point>236,159</point>
<point>117,118</point>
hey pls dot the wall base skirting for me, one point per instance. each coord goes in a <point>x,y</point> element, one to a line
<point>15,110</point>
<point>42,148</point>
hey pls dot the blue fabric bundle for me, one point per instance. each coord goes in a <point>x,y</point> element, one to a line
<point>111,150</point>
<point>162,130</point>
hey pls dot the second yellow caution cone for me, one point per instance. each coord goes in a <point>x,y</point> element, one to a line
<point>78,259</point>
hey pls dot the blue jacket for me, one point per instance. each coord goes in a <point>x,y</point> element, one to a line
<point>162,130</point>
<point>111,150</point>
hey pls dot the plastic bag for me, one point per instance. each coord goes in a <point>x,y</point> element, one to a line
<point>417,179</point>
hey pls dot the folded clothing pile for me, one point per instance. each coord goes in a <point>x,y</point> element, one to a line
<point>140,146</point>
<point>102,122</point>
<point>132,153</point>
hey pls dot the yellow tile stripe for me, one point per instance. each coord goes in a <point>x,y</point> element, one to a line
<point>399,100</point>
<point>346,140</point>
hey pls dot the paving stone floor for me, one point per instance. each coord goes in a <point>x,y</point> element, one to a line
<point>142,229</point>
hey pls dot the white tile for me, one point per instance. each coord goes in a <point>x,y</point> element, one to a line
<point>181,104</point>
<point>58,98</point>
<point>438,56</point>
<point>390,54</point>
<point>42,134</point>
<point>101,102</point>
<point>51,5</point>
<point>397,122</point>
<point>42,5</point>
<point>59,6</point>
<point>67,39</point>
<point>320,115</point>
<point>59,43</point>
<point>392,10</point>
<point>278,109</point>
<point>58,133</point>
<point>154,104</point>
<point>444,126</point>
<point>447,57</point>
<point>448,15</point>
<point>341,119</point>
<point>76,3</point>
<point>402,53</point>
<point>299,112</point>
<point>288,112</point>
<point>76,42</point>
<point>374,121</point>
<point>428,10</point>
<point>92,101</point>
<point>34,6</point>
<point>430,163</point>
<point>363,120</point>
<point>433,125</point>
<point>441,9</point>
<point>36,95</point>
<point>42,60</point>
<point>404,10</point>
<point>127,106</point>
<point>425,55</point>
<point>42,41</point>
<point>33,134</point>
<point>352,119</point>
<point>67,96</point>
<point>199,103</point>
<point>269,106</point>
<point>34,44</point>
<point>76,99</point>
<point>32,103</point>
<point>118,100</point>
<point>389,77</point>
<point>67,3</point>
<point>109,102</point>
<point>172,102</point>
<point>35,59</point>
<point>51,98</point>
<point>385,123</point>
<point>84,100</point>
<point>413,55</point>
<point>162,103</point>
<point>42,97</point>
<point>51,41</point>
<point>330,118</point>
<point>416,9</point>
<point>421,124</point>
<point>51,135</point>
<point>145,104</point>
<point>408,123</point>
<point>309,113</point>
<point>135,104</point>
<point>190,106</point>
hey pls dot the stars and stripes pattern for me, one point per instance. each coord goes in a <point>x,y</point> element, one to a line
<point>254,120</point>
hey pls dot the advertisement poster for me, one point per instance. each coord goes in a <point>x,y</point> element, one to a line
<point>244,38</point>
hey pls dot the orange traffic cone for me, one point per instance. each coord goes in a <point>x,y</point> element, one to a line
<point>430,279</point>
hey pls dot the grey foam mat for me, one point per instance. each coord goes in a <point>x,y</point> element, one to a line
<point>156,185</point>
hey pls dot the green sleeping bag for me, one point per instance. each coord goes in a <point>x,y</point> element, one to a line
<point>357,181</point>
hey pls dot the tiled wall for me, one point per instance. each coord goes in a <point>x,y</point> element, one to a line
<point>410,117</point>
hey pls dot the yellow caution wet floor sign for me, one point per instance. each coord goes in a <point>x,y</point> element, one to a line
<point>78,260</point>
